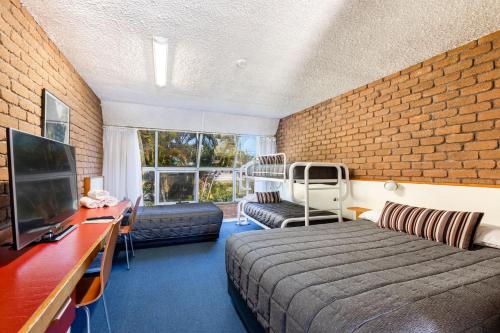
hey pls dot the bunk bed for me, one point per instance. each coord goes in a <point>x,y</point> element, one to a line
<point>313,176</point>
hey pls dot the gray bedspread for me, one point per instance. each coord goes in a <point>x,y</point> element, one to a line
<point>177,222</point>
<point>356,277</point>
<point>274,214</point>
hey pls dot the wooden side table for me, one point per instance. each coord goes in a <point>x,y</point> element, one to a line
<point>358,211</point>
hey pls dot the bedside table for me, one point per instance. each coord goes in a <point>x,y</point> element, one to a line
<point>357,211</point>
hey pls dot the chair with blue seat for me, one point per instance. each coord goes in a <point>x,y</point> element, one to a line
<point>92,285</point>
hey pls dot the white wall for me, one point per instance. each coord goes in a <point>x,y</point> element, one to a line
<point>147,116</point>
<point>371,194</point>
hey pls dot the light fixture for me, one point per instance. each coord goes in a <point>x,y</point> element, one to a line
<point>391,185</point>
<point>160,56</point>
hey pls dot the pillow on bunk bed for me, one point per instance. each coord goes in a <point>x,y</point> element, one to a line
<point>268,197</point>
<point>452,228</point>
<point>271,159</point>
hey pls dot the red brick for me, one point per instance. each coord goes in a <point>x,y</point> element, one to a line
<point>490,174</point>
<point>478,69</point>
<point>488,135</point>
<point>487,115</point>
<point>489,95</point>
<point>460,66</point>
<point>464,173</point>
<point>478,126</point>
<point>461,119</point>
<point>464,137</point>
<point>482,145</point>
<point>485,164</point>
<point>473,108</point>
<point>491,75</point>
<point>460,101</point>
<point>476,51</point>
<point>461,83</point>
<point>438,173</point>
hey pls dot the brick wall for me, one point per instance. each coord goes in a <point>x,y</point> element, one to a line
<point>437,121</point>
<point>29,62</point>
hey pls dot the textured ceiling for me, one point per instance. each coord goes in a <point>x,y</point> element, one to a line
<point>298,52</point>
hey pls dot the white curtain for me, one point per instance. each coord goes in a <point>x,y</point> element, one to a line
<point>122,163</point>
<point>265,145</point>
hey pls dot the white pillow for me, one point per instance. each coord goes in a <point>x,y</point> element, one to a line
<point>487,235</point>
<point>371,215</point>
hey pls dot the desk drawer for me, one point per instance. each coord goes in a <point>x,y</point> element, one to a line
<point>62,322</point>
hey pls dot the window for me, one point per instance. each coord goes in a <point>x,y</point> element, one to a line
<point>215,186</point>
<point>148,187</point>
<point>176,186</point>
<point>218,150</point>
<point>147,148</point>
<point>241,188</point>
<point>187,166</point>
<point>177,149</point>
<point>247,149</point>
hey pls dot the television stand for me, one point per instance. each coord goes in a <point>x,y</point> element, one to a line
<point>52,237</point>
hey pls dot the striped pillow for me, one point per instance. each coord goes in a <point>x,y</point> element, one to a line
<point>452,228</point>
<point>271,159</point>
<point>268,197</point>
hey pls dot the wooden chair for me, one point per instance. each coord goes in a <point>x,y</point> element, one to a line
<point>91,287</point>
<point>125,230</point>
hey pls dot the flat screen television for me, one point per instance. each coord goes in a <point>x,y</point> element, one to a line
<point>43,186</point>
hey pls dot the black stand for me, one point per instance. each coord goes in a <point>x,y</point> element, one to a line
<point>52,237</point>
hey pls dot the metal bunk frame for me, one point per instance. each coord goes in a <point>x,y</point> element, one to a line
<point>282,178</point>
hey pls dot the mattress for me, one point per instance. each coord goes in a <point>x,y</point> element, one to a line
<point>177,221</point>
<point>356,277</point>
<point>274,214</point>
<point>276,171</point>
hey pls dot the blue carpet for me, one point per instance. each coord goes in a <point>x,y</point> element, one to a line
<point>179,288</point>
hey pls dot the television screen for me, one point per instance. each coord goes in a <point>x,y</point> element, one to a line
<point>43,182</point>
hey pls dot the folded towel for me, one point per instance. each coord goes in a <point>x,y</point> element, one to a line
<point>90,203</point>
<point>110,201</point>
<point>98,194</point>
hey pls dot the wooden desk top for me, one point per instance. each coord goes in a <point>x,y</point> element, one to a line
<point>36,281</point>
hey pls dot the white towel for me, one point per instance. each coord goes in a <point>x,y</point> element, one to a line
<point>90,203</point>
<point>98,194</point>
<point>110,201</point>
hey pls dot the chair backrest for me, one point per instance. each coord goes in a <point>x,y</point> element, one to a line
<point>133,215</point>
<point>109,250</point>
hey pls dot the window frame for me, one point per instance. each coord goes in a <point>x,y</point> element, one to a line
<point>174,170</point>
<point>194,169</point>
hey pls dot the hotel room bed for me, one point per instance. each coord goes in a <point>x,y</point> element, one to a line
<point>177,223</point>
<point>356,277</point>
<point>274,214</point>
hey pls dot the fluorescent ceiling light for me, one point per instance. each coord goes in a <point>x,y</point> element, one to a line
<point>160,55</point>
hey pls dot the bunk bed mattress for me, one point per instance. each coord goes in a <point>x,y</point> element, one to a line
<point>276,171</point>
<point>274,214</point>
<point>177,221</point>
<point>356,277</point>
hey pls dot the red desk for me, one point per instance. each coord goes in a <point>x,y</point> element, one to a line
<point>35,282</point>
